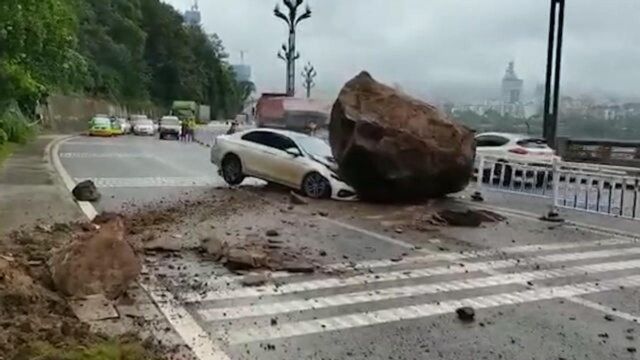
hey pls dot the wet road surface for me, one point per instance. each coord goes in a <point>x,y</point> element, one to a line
<point>540,291</point>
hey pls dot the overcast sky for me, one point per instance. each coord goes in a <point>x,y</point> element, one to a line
<point>436,49</point>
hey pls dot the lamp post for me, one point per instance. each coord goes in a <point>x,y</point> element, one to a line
<point>550,124</point>
<point>288,52</point>
<point>308,74</point>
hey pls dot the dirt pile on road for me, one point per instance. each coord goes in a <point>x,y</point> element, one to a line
<point>466,218</point>
<point>391,147</point>
<point>257,252</point>
<point>100,262</point>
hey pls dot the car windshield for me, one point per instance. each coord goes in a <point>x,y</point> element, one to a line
<point>144,122</point>
<point>533,143</point>
<point>100,121</point>
<point>314,146</point>
<point>170,121</point>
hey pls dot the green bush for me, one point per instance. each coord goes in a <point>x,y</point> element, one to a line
<point>3,137</point>
<point>15,126</point>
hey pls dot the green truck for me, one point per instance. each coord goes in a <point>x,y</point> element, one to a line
<point>191,109</point>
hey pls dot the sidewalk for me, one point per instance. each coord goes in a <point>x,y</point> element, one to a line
<point>30,191</point>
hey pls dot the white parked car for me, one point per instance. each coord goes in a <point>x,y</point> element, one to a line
<point>289,158</point>
<point>516,146</point>
<point>125,126</point>
<point>143,127</point>
<point>504,148</point>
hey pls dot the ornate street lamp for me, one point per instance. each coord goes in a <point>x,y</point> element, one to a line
<point>288,52</point>
<point>308,74</point>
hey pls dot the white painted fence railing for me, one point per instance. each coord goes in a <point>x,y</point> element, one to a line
<point>609,190</point>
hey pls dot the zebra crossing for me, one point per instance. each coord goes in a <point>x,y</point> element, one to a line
<point>377,292</point>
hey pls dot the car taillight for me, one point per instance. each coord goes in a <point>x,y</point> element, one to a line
<point>519,151</point>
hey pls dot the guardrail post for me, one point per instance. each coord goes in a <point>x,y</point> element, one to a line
<point>477,195</point>
<point>553,214</point>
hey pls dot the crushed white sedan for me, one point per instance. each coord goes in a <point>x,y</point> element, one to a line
<point>288,158</point>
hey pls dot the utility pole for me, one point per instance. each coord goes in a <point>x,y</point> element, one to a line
<point>550,124</point>
<point>289,53</point>
<point>308,74</point>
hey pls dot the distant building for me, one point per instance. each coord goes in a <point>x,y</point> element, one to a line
<point>192,16</point>
<point>511,86</point>
<point>242,71</point>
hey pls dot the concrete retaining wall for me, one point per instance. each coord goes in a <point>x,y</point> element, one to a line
<point>70,113</point>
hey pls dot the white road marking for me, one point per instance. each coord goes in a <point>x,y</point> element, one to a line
<point>375,264</point>
<point>336,282</point>
<point>145,182</point>
<point>372,234</point>
<point>85,206</point>
<point>185,325</point>
<point>84,155</point>
<point>229,313</point>
<point>309,327</point>
<point>604,309</point>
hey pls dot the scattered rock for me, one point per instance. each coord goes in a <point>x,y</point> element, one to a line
<point>101,263</point>
<point>272,233</point>
<point>274,321</point>
<point>631,349</point>
<point>86,191</point>
<point>297,267</point>
<point>297,199</point>
<point>323,213</point>
<point>213,247</point>
<point>244,259</point>
<point>466,313</point>
<point>254,280</point>
<point>609,317</point>
<point>391,147</point>
<point>44,228</point>
<point>477,196</point>
<point>398,230</point>
<point>322,253</point>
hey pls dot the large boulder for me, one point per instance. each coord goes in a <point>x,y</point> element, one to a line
<point>392,147</point>
<point>102,262</point>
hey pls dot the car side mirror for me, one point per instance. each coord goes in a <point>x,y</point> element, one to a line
<point>295,152</point>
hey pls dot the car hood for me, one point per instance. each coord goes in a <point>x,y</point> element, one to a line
<point>327,161</point>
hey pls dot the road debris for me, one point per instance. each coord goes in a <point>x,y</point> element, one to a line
<point>86,191</point>
<point>102,262</point>
<point>467,218</point>
<point>466,313</point>
<point>213,247</point>
<point>297,199</point>
<point>392,147</point>
<point>254,279</point>
<point>272,233</point>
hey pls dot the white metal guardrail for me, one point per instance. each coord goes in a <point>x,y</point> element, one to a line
<point>609,190</point>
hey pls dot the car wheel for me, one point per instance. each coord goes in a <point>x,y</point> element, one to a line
<point>316,186</point>
<point>232,170</point>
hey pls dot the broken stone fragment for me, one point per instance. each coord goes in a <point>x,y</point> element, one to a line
<point>86,191</point>
<point>297,199</point>
<point>102,262</point>
<point>466,313</point>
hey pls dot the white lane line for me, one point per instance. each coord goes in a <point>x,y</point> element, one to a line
<point>423,310</point>
<point>336,282</point>
<point>185,325</point>
<point>375,264</point>
<point>83,155</point>
<point>229,313</point>
<point>604,309</point>
<point>145,182</point>
<point>85,206</point>
<point>372,234</point>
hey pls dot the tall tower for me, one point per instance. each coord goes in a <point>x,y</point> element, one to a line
<point>511,86</point>
<point>192,16</point>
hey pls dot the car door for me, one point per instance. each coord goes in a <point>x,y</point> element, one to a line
<point>253,152</point>
<point>286,161</point>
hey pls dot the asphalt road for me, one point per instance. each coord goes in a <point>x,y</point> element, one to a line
<point>539,291</point>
